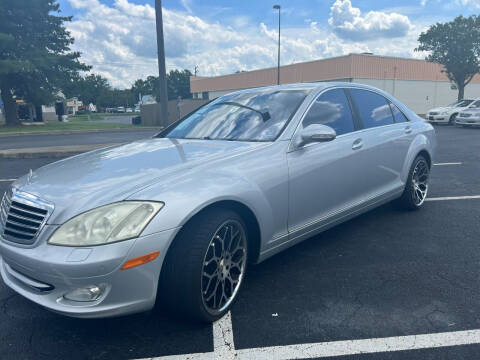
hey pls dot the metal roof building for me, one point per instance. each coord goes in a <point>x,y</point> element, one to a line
<point>421,85</point>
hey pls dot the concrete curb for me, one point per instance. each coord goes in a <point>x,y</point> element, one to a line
<point>50,151</point>
<point>69,132</point>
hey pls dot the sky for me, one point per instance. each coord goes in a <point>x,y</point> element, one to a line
<point>118,37</point>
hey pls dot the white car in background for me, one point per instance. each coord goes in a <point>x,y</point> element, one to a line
<point>470,116</point>
<point>447,114</point>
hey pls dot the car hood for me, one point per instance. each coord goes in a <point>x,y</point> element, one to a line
<point>113,174</point>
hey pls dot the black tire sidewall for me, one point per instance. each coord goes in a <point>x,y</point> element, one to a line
<point>410,192</point>
<point>190,246</point>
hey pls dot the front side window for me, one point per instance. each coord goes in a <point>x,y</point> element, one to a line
<point>374,109</point>
<point>331,109</point>
<point>397,114</point>
<point>250,116</point>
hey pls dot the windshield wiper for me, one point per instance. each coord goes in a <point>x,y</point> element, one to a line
<point>265,115</point>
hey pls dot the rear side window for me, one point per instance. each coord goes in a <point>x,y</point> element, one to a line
<point>373,108</point>
<point>331,109</point>
<point>397,114</point>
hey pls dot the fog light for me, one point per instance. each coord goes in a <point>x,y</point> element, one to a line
<point>88,293</point>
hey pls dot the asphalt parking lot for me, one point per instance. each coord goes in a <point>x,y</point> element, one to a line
<point>410,277</point>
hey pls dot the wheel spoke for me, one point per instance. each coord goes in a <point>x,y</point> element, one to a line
<point>223,266</point>
<point>420,182</point>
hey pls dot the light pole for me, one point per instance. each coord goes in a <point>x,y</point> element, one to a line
<point>278,62</point>
<point>162,73</point>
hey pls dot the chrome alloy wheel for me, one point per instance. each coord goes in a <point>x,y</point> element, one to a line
<point>223,266</point>
<point>420,182</point>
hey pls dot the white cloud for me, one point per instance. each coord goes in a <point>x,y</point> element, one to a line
<point>120,40</point>
<point>349,23</point>
<point>469,3</point>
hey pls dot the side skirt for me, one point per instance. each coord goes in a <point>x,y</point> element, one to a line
<point>325,224</point>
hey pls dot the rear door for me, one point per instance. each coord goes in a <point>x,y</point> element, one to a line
<point>386,138</point>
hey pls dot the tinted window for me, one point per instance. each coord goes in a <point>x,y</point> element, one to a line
<point>373,108</point>
<point>397,114</point>
<point>247,116</point>
<point>332,109</point>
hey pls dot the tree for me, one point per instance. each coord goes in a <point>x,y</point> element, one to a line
<point>87,89</point>
<point>145,87</point>
<point>35,56</point>
<point>456,46</point>
<point>178,84</point>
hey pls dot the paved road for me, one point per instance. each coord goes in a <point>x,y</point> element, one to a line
<point>41,140</point>
<point>118,119</point>
<point>386,273</point>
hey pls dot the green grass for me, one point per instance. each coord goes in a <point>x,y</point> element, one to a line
<point>86,117</point>
<point>53,126</point>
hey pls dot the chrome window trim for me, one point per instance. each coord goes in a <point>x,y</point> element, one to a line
<point>358,131</point>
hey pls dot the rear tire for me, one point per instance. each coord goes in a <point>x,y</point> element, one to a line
<point>206,265</point>
<point>416,187</point>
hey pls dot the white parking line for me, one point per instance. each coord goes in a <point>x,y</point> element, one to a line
<point>453,198</point>
<point>448,163</point>
<point>364,346</point>
<point>7,180</point>
<point>224,347</point>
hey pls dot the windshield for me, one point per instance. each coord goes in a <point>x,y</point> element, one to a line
<point>251,116</point>
<point>463,103</point>
<point>475,105</point>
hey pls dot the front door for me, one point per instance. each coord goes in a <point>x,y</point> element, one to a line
<point>326,178</point>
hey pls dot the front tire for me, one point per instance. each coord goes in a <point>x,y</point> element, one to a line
<point>451,121</point>
<point>206,265</point>
<point>416,188</point>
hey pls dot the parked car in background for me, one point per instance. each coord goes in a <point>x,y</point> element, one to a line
<point>120,109</point>
<point>469,116</point>
<point>447,114</point>
<point>129,110</point>
<point>179,216</point>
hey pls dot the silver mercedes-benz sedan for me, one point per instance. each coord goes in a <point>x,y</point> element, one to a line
<point>178,217</point>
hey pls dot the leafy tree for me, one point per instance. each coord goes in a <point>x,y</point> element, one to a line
<point>149,86</point>
<point>455,45</point>
<point>35,56</point>
<point>87,89</point>
<point>178,85</point>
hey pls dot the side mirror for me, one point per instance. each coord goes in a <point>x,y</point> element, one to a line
<point>314,133</point>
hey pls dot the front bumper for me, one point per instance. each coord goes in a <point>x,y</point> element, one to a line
<point>45,273</point>
<point>437,118</point>
<point>467,121</point>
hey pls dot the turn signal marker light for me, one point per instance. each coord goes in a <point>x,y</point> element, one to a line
<point>140,260</point>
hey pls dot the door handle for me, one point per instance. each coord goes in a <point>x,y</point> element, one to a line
<point>357,144</point>
<point>408,130</point>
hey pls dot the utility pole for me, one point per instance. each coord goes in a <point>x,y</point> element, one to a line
<point>162,117</point>
<point>278,61</point>
<point>196,70</point>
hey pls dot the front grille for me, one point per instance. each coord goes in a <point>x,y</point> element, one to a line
<point>433,113</point>
<point>464,115</point>
<point>20,217</point>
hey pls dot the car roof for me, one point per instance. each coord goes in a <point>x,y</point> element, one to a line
<point>306,86</point>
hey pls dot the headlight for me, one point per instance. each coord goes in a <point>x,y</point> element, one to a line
<point>106,224</point>
<point>444,113</point>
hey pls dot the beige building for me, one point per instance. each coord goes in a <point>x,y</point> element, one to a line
<point>419,84</point>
